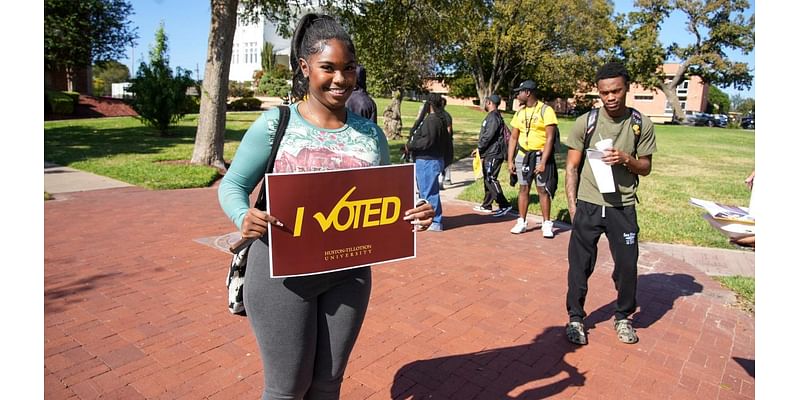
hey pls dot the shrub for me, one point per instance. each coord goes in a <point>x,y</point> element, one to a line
<point>273,86</point>
<point>60,102</point>
<point>75,96</point>
<point>192,105</point>
<point>159,98</point>
<point>245,104</point>
<point>239,89</point>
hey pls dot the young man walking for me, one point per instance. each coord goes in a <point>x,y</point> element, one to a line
<point>529,150</point>
<point>492,150</point>
<point>594,212</point>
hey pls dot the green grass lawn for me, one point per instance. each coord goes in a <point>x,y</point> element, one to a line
<point>744,287</point>
<point>707,163</point>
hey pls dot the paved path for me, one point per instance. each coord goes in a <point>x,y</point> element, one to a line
<point>135,308</point>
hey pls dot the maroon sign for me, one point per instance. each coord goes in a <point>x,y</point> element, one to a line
<point>335,220</point>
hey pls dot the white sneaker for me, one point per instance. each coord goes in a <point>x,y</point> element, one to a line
<point>547,229</point>
<point>521,226</point>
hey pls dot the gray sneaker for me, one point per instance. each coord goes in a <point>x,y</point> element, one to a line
<point>576,333</point>
<point>625,331</point>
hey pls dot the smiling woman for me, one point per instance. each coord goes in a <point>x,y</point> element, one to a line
<point>306,326</point>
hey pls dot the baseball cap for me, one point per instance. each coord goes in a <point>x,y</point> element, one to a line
<point>526,85</point>
<point>494,99</point>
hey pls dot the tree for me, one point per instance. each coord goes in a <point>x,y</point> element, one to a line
<point>79,33</point>
<point>748,106</point>
<point>159,97</point>
<point>210,137</point>
<point>714,26</point>
<point>267,57</point>
<point>718,101</point>
<point>109,72</point>
<point>396,41</point>
<point>558,44</point>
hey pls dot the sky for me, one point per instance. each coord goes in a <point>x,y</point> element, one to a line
<point>187,24</point>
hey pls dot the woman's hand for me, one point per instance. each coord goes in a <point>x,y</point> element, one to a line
<point>255,223</point>
<point>420,216</point>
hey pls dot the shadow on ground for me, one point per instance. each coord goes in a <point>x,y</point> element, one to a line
<point>656,294</point>
<point>506,373</point>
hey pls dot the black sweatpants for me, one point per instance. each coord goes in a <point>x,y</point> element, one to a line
<point>491,186</point>
<point>621,229</point>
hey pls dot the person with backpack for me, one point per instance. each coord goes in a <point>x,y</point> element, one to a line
<point>531,155</point>
<point>593,213</point>
<point>492,150</point>
<point>429,145</point>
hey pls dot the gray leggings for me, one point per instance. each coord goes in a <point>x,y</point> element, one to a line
<point>306,327</point>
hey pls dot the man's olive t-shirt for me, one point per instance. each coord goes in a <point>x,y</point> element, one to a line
<point>621,132</point>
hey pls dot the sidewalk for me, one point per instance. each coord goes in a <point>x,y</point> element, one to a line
<point>137,310</point>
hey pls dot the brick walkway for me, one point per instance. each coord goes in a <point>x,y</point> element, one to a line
<point>136,308</point>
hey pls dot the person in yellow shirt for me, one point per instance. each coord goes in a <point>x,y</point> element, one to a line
<point>529,149</point>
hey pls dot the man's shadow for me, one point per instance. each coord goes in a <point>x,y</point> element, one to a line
<point>656,295</point>
<point>496,373</point>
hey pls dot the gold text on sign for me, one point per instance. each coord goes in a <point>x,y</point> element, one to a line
<point>354,214</point>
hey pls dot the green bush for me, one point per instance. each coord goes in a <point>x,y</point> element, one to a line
<point>192,105</point>
<point>60,102</point>
<point>239,89</point>
<point>273,86</point>
<point>75,96</point>
<point>245,104</point>
<point>159,97</point>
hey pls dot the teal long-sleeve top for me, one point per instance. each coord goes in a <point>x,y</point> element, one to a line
<point>305,147</point>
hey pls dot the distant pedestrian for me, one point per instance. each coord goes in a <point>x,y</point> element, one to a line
<point>428,146</point>
<point>444,177</point>
<point>492,151</point>
<point>360,102</point>
<point>594,213</point>
<point>530,150</point>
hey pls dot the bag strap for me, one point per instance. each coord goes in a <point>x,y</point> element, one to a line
<point>283,122</point>
<point>591,125</point>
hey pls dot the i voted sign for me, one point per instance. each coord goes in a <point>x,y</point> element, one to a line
<point>337,220</point>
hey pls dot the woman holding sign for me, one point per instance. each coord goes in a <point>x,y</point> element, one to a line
<point>306,326</point>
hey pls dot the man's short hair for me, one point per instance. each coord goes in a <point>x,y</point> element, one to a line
<point>612,69</point>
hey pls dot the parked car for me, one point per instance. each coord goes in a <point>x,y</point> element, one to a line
<point>748,121</point>
<point>695,118</point>
<point>720,120</point>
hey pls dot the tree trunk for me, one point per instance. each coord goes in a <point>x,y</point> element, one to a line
<point>670,90</point>
<point>209,141</point>
<point>392,124</point>
<point>672,97</point>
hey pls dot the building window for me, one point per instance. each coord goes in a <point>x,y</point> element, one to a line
<point>683,88</point>
<point>668,106</point>
<point>643,97</point>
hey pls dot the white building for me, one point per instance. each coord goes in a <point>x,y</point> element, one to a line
<point>247,45</point>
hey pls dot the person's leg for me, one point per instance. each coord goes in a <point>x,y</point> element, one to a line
<point>623,241</point>
<point>340,316</point>
<point>544,202</point>
<point>284,325</point>
<point>582,255</point>
<point>487,190</point>
<point>493,184</point>
<point>427,182</point>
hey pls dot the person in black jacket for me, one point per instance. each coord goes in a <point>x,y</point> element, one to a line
<point>429,144</point>
<point>492,150</point>
<point>360,102</point>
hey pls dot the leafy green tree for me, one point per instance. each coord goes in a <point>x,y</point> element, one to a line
<point>748,106</point>
<point>715,26</point>
<point>267,57</point>
<point>160,97</point>
<point>109,72</point>
<point>557,44</point>
<point>79,33</point>
<point>718,101</point>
